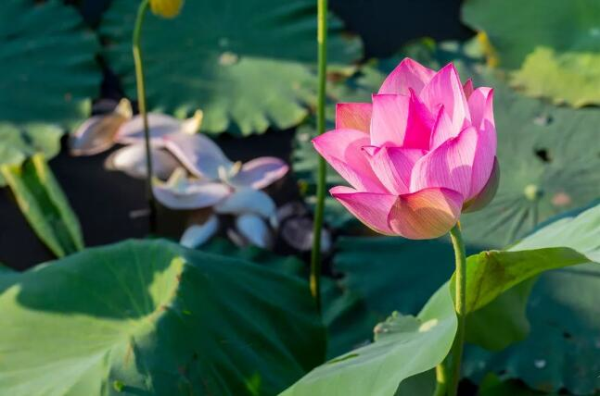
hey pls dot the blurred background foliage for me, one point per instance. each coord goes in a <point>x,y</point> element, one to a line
<point>249,65</point>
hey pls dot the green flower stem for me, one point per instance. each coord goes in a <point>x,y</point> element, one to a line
<point>315,259</point>
<point>460,304</point>
<point>441,375</point>
<point>141,93</point>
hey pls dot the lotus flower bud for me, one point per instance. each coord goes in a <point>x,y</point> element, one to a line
<point>166,8</point>
<point>416,157</point>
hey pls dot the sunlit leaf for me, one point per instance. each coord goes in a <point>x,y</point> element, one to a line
<point>404,347</point>
<point>155,318</point>
<point>247,64</point>
<point>44,205</point>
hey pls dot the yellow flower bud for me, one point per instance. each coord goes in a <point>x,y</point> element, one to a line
<point>166,8</point>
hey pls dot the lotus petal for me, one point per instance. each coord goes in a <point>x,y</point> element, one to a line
<point>181,192</point>
<point>132,161</point>
<point>248,200</point>
<point>425,214</point>
<point>97,134</point>
<point>342,148</point>
<point>372,209</point>
<point>199,154</point>
<point>353,116</point>
<point>254,230</point>
<point>446,89</point>
<point>393,166</point>
<point>198,234</point>
<point>481,106</point>
<point>448,166</point>
<point>260,172</point>
<point>468,88</point>
<point>409,74</point>
<point>487,193</point>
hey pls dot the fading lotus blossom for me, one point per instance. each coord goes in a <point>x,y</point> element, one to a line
<point>190,172</point>
<point>423,151</point>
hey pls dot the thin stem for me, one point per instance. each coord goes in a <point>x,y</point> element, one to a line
<point>441,375</point>
<point>460,304</point>
<point>315,259</point>
<point>141,93</point>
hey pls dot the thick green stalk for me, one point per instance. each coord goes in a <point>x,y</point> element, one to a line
<point>315,259</point>
<point>441,375</point>
<point>141,93</point>
<point>460,304</point>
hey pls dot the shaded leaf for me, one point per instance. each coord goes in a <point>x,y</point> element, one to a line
<point>563,348</point>
<point>45,205</point>
<point>49,75</point>
<point>155,318</point>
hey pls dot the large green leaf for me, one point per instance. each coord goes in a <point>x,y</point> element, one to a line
<point>572,77</point>
<point>349,323</point>
<point>404,347</point>
<point>515,27</point>
<point>246,64</point>
<point>48,76</point>
<point>562,349</point>
<point>45,205</point>
<point>154,318</point>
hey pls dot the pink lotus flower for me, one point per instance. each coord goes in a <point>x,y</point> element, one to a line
<point>419,155</point>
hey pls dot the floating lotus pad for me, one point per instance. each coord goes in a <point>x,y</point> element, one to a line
<point>49,75</point>
<point>247,64</point>
<point>566,78</point>
<point>515,28</point>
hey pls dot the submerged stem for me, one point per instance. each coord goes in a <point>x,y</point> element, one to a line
<point>315,259</point>
<point>141,93</point>
<point>460,304</point>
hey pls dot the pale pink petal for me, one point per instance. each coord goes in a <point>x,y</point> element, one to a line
<point>448,166</point>
<point>194,194</point>
<point>198,234</point>
<point>400,120</point>
<point>95,135</point>
<point>488,192</point>
<point>254,231</point>
<point>159,125</point>
<point>481,106</point>
<point>248,200</point>
<point>372,209</point>
<point>425,214</point>
<point>390,117</point>
<point>393,166</point>
<point>468,88</point>
<point>407,75</point>
<point>132,160</point>
<point>200,155</point>
<point>353,116</point>
<point>260,172</point>
<point>446,89</point>
<point>442,130</point>
<point>485,155</point>
<point>342,148</point>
